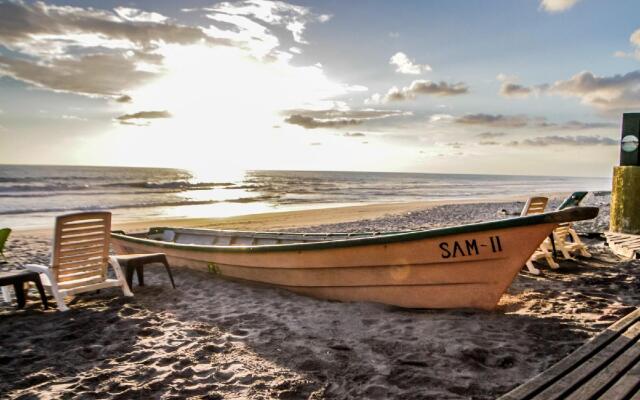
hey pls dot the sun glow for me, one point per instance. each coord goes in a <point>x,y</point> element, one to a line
<point>226,109</point>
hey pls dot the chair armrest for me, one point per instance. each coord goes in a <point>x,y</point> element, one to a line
<point>41,269</point>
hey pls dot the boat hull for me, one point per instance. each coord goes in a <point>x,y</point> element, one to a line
<point>467,270</point>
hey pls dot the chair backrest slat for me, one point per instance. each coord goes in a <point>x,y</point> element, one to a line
<point>535,205</point>
<point>81,247</point>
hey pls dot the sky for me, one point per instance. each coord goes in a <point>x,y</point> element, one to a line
<point>534,87</point>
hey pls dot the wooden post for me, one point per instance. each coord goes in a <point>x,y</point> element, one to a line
<point>625,194</point>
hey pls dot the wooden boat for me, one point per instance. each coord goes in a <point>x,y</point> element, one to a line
<point>455,267</point>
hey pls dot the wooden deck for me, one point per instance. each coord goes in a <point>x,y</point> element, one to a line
<point>624,245</point>
<point>606,367</point>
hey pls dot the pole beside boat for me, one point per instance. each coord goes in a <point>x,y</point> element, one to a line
<point>625,193</point>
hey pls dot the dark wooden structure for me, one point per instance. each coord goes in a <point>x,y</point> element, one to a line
<point>131,262</point>
<point>17,279</point>
<point>606,367</point>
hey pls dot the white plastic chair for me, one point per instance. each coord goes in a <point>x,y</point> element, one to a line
<point>80,257</point>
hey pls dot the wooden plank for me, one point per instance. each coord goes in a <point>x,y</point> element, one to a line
<point>76,232</point>
<point>85,268</point>
<point>76,225</point>
<point>608,375</point>
<point>559,370</point>
<point>82,245</point>
<point>81,262</point>
<point>64,252</point>
<point>78,239</point>
<point>625,386</point>
<point>80,283</point>
<point>562,388</point>
<point>79,257</point>
<point>80,275</point>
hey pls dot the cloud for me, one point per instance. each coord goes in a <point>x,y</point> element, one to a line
<point>130,119</point>
<point>87,51</point>
<point>556,6</point>
<point>316,144</point>
<point>354,134</point>
<point>72,118</point>
<point>95,74</point>
<point>622,54</point>
<point>419,87</point>
<point>491,135</point>
<point>24,27</point>
<point>634,39</point>
<point>404,65</point>
<point>580,140</point>
<point>499,120</point>
<point>521,121</point>
<point>311,119</point>
<point>292,18</point>
<point>575,125</point>
<point>610,94</point>
<point>440,117</point>
<point>488,143</point>
<point>455,145</point>
<point>124,99</point>
<point>312,123</point>
<point>508,89</point>
<point>365,113</point>
<point>103,53</point>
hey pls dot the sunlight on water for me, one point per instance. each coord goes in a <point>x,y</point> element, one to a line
<point>34,195</point>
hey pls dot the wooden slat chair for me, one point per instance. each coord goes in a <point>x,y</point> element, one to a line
<point>606,367</point>
<point>568,242</point>
<point>565,237</point>
<point>537,205</point>
<point>80,257</point>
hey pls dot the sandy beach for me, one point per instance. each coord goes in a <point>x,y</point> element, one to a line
<point>213,339</point>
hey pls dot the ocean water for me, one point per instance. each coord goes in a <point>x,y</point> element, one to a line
<point>31,196</point>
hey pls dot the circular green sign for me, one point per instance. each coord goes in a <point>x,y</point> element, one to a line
<point>629,143</point>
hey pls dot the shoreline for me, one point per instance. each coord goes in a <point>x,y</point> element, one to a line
<point>295,219</point>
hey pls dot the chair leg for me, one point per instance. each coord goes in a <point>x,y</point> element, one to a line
<point>166,266</point>
<point>532,269</point>
<point>566,254</point>
<point>549,258</point>
<point>123,282</point>
<point>128,271</point>
<point>140,274</point>
<point>6,294</point>
<point>56,293</point>
<point>583,251</point>
<point>18,288</point>
<point>43,296</point>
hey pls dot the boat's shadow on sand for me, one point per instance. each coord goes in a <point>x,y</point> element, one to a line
<point>213,338</point>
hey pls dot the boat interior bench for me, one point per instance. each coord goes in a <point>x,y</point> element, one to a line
<point>606,367</point>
